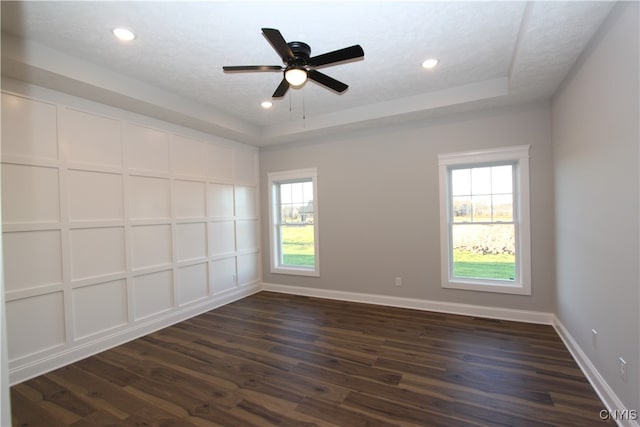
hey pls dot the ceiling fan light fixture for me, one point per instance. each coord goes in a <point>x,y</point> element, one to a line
<point>296,76</point>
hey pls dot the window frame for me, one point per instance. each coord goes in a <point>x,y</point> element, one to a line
<point>519,157</point>
<point>286,177</point>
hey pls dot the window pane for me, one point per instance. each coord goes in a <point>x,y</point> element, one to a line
<point>307,192</point>
<point>297,245</point>
<point>461,182</point>
<point>296,192</point>
<point>285,193</point>
<point>462,209</point>
<point>306,213</point>
<point>502,179</point>
<point>481,180</point>
<point>481,208</point>
<point>503,208</point>
<point>484,251</point>
<point>286,213</point>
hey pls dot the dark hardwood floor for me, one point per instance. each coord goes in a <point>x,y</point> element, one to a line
<point>273,359</point>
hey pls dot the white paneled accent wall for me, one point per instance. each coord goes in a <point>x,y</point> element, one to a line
<point>113,227</point>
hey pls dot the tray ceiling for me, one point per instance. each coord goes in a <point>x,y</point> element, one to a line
<point>491,53</point>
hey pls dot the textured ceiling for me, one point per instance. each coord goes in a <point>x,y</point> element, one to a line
<point>490,53</point>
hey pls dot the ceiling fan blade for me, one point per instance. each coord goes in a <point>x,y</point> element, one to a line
<point>327,81</point>
<point>278,42</point>
<point>339,55</point>
<point>282,88</point>
<point>252,68</point>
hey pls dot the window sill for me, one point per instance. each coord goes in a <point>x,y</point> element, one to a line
<point>296,271</point>
<point>513,288</point>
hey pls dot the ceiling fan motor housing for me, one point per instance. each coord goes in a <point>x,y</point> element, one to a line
<point>301,53</point>
<point>300,49</point>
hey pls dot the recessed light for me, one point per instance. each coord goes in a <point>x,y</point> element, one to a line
<point>430,63</point>
<point>123,34</point>
<point>266,104</point>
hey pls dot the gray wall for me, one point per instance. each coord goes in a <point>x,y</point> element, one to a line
<point>379,213</point>
<point>595,136</point>
<point>5,400</point>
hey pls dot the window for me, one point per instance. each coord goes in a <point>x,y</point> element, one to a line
<point>294,222</point>
<point>484,220</point>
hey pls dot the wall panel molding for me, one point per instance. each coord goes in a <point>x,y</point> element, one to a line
<point>112,221</point>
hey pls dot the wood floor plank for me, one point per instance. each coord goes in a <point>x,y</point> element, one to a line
<point>31,414</point>
<point>336,364</point>
<point>111,373</point>
<point>477,378</point>
<point>266,415</point>
<point>333,350</point>
<point>38,398</point>
<point>341,416</point>
<point>282,360</point>
<point>110,397</point>
<point>99,418</point>
<point>399,412</point>
<point>283,407</point>
<point>60,396</point>
<point>246,373</point>
<point>171,407</point>
<point>171,387</point>
<point>512,405</point>
<point>479,414</point>
<point>439,403</point>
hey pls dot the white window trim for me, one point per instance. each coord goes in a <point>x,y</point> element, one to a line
<point>520,155</point>
<point>283,177</point>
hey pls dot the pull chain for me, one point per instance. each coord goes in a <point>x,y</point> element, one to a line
<point>304,116</point>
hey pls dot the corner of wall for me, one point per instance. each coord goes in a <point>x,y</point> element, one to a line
<point>595,128</point>
<point>611,401</point>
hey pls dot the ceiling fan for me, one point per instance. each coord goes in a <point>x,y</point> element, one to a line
<point>299,64</point>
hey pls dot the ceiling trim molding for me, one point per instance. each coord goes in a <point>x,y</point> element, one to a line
<point>485,90</point>
<point>50,68</point>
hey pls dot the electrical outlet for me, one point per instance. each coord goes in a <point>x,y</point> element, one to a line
<point>398,281</point>
<point>623,369</point>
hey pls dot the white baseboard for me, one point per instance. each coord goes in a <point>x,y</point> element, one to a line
<point>418,304</point>
<point>602,389</point>
<point>19,372</point>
